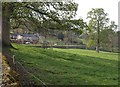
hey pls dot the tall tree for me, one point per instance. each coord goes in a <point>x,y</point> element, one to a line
<point>7,9</point>
<point>108,36</point>
<point>97,21</point>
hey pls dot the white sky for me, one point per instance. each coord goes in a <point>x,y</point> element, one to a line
<point>110,7</point>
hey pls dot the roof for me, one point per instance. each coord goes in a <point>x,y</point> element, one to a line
<point>28,35</point>
<point>25,35</point>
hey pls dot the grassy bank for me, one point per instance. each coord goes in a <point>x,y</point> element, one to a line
<point>69,66</point>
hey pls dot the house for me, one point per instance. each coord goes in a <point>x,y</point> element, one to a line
<point>24,38</point>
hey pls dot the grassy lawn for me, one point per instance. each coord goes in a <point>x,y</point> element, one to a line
<point>69,66</point>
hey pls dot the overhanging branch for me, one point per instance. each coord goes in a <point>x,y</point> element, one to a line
<point>43,13</point>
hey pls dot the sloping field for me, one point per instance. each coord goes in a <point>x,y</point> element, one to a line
<point>68,66</point>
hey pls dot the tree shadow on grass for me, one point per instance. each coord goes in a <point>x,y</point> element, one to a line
<point>54,65</point>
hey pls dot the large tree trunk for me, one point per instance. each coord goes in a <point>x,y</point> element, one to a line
<point>7,9</point>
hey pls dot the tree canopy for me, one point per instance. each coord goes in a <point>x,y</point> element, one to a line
<point>102,30</point>
<point>37,14</point>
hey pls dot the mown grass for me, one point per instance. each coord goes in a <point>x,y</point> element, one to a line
<point>69,66</point>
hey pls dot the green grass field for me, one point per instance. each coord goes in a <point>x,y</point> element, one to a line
<point>69,66</point>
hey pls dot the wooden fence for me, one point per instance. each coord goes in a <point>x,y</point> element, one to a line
<point>23,74</point>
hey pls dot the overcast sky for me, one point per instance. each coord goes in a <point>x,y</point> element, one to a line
<point>110,7</point>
